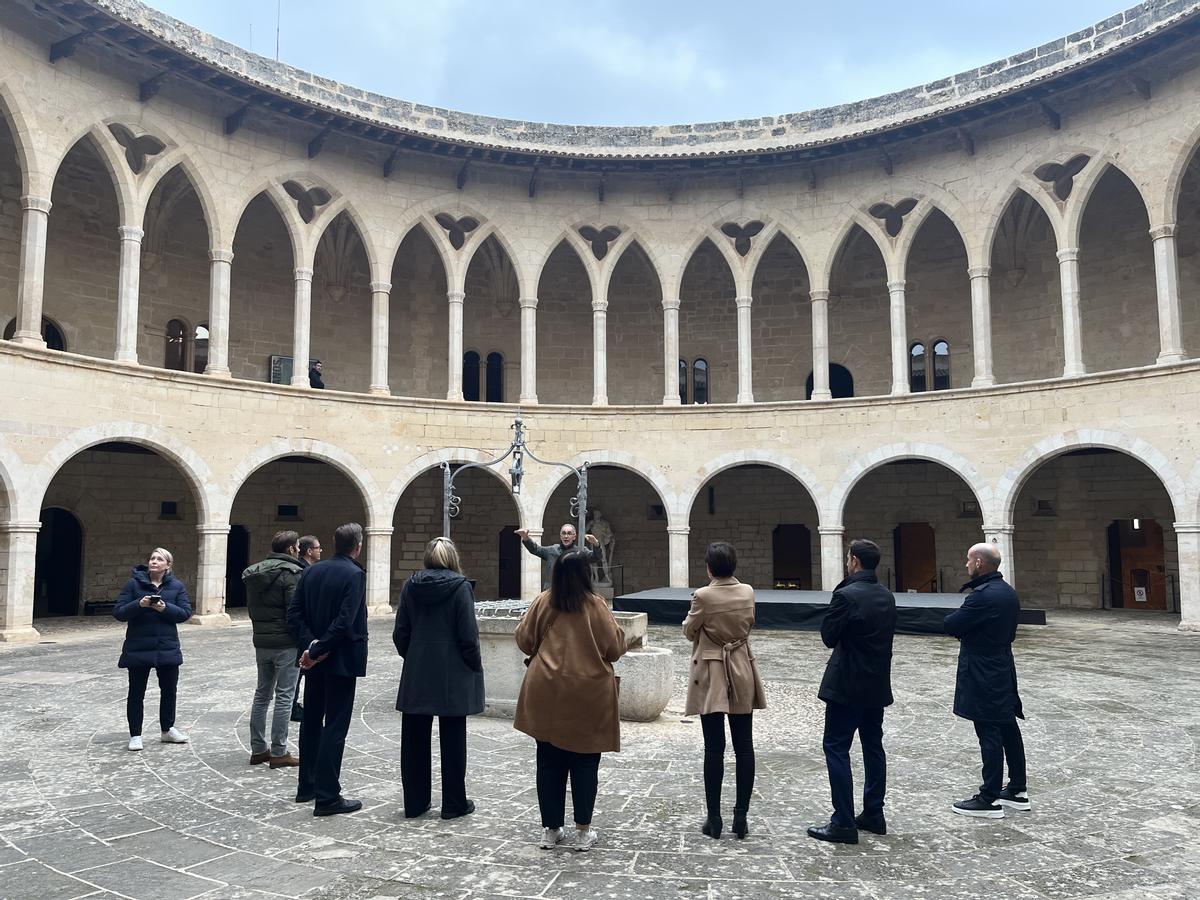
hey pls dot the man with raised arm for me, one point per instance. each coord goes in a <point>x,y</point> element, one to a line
<point>566,541</point>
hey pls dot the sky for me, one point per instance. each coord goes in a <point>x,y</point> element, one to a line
<point>636,62</point>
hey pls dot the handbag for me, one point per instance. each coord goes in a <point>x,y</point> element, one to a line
<point>538,646</point>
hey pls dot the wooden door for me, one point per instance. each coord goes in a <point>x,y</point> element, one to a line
<point>510,563</point>
<point>1139,566</point>
<point>916,557</point>
<point>791,548</point>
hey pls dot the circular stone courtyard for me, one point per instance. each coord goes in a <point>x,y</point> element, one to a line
<point>1114,719</point>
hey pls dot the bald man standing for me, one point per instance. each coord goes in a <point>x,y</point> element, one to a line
<point>985,689</point>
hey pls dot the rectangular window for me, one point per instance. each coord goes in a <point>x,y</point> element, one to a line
<point>287,512</point>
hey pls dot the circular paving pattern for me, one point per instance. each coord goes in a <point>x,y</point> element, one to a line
<point>1114,706</point>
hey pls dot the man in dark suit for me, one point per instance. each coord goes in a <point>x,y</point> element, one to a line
<point>328,616</point>
<point>859,626</point>
<point>985,689</point>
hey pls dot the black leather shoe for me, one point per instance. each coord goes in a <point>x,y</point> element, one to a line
<point>739,825</point>
<point>336,807</point>
<point>874,824</point>
<point>834,833</point>
<point>712,826</point>
<point>305,796</point>
<point>419,812</point>
<point>450,814</point>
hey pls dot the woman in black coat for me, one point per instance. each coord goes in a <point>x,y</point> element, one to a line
<point>438,637</point>
<point>153,602</point>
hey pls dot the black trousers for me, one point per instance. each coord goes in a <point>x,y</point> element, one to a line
<point>999,742</point>
<point>554,765</point>
<point>328,709</point>
<point>840,724</point>
<point>168,686</point>
<point>416,763</point>
<point>741,730</point>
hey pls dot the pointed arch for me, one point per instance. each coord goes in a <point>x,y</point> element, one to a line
<point>28,157</point>
<point>821,274</point>
<point>1081,196</point>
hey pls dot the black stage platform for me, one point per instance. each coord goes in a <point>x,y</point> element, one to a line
<point>915,613</point>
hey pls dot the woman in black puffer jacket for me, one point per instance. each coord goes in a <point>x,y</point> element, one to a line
<point>153,602</point>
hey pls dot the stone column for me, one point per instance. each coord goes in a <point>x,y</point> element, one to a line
<point>16,603</point>
<point>745,340</point>
<point>833,556</point>
<point>380,306</point>
<point>128,285</point>
<point>677,555</point>
<point>531,568</point>
<point>302,327</point>
<point>1001,537</point>
<point>1166,280</point>
<point>379,569</point>
<point>208,601</point>
<point>35,224</point>
<point>1068,276</point>
<point>899,338</point>
<point>671,352</point>
<point>528,350</point>
<point>820,344</point>
<point>454,382</point>
<point>981,325</point>
<point>220,271</point>
<point>1187,534</point>
<point>599,353</point>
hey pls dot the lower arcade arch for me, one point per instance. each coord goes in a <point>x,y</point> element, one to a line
<point>626,514</point>
<point>294,493</point>
<point>484,531</point>
<point>1094,529</point>
<point>768,515</point>
<point>923,516</point>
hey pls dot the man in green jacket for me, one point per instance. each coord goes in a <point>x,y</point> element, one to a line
<point>269,588</point>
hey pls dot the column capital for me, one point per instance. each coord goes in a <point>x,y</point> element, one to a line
<point>218,254</point>
<point>818,296</point>
<point>528,302</point>
<point>1159,232</point>
<point>679,529</point>
<point>1068,254</point>
<point>673,303</point>
<point>378,531</point>
<point>381,287</point>
<point>456,296</point>
<point>38,204</point>
<point>831,530</point>
<point>131,233</point>
<point>979,271</point>
<point>743,302</point>
<point>599,305</point>
<point>897,285</point>
<point>999,529</point>
<point>20,527</point>
<point>302,273</point>
<point>1186,527</point>
<point>212,528</point>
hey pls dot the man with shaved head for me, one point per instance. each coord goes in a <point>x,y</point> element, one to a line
<point>985,689</point>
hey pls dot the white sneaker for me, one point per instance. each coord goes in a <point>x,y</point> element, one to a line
<point>174,736</point>
<point>135,742</point>
<point>551,838</point>
<point>586,839</point>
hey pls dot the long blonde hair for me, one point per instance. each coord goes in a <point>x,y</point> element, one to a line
<point>442,554</point>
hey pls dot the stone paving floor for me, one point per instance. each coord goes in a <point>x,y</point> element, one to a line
<point>1113,700</point>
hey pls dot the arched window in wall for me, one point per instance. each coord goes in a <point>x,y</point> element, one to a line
<point>683,381</point>
<point>175,351</point>
<point>941,365</point>
<point>470,375</point>
<point>495,378</point>
<point>200,348</point>
<point>51,334</point>
<point>700,381</point>
<point>916,368</point>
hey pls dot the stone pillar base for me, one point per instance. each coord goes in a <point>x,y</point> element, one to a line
<point>379,390</point>
<point>982,381</point>
<point>210,619</point>
<point>384,609</point>
<point>25,635</point>
<point>1169,359</point>
<point>218,373</point>
<point>1190,627</point>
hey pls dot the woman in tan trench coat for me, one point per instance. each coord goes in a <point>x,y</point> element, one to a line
<point>568,699</point>
<point>724,682</point>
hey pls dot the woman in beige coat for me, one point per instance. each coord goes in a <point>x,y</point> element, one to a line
<point>724,682</point>
<point>568,700</point>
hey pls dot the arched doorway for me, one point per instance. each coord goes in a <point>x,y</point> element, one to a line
<point>51,334</point>
<point>58,566</point>
<point>841,383</point>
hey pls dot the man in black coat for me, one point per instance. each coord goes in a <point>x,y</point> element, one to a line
<point>859,626</point>
<point>328,615</point>
<point>550,553</point>
<point>985,690</point>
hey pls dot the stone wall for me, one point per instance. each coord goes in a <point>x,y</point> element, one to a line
<point>635,332</point>
<point>708,322</point>
<point>418,320</point>
<point>564,337</point>
<point>781,324</point>
<point>262,292</point>
<point>859,337</point>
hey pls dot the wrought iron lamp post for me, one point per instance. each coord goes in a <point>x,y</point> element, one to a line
<point>518,450</point>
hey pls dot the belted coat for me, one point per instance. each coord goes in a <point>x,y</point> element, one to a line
<point>723,675</point>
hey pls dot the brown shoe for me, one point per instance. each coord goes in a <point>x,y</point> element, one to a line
<point>257,758</point>
<point>282,762</point>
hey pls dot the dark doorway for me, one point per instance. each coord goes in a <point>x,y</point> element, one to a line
<point>1137,565</point>
<point>510,563</point>
<point>916,557</point>
<point>841,383</point>
<point>57,565</point>
<point>51,334</point>
<point>237,558</point>
<point>791,549</point>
